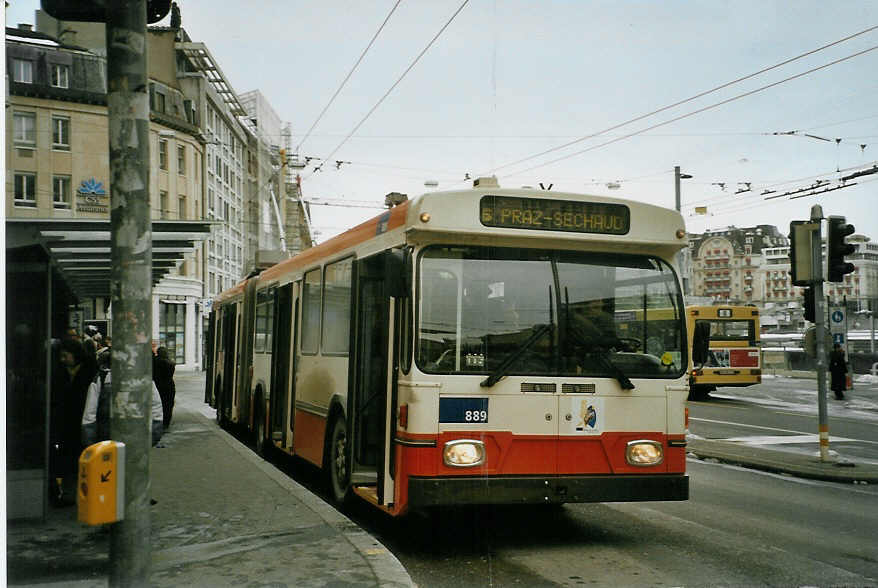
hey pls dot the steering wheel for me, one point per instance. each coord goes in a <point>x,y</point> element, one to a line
<point>629,344</point>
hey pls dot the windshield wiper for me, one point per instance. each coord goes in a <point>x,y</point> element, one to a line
<point>617,372</point>
<point>513,357</point>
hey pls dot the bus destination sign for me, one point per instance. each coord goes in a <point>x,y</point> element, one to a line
<point>554,215</point>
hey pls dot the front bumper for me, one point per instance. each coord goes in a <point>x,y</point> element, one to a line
<point>457,490</point>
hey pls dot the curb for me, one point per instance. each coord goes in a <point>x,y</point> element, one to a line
<point>388,570</point>
<point>783,462</point>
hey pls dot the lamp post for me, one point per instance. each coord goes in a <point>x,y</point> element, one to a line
<point>682,259</point>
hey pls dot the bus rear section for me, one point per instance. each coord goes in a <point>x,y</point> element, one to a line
<point>734,355</point>
<point>510,400</point>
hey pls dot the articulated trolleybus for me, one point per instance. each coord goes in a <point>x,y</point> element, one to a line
<point>482,346</point>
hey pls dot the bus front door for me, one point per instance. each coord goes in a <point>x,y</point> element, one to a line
<point>370,402</point>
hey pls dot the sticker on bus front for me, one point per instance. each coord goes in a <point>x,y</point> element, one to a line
<point>582,415</point>
<point>463,410</point>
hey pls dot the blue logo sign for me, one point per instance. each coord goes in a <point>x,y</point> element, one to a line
<point>837,316</point>
<point>838,338</point>
<point>92,186</point>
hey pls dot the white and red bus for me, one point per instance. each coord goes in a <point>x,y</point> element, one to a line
<point>430,356</point>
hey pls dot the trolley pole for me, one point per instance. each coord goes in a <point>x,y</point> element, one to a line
<point>819,318</point>
<point>130,281</point>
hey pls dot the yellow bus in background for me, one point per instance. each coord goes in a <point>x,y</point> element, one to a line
<point>734,354</point>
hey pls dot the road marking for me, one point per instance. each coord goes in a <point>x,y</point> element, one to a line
<point>777,439</point>
<point>735,424</point>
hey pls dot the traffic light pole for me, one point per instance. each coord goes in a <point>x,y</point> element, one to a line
<point>130,281</point>
<point>819,318</point>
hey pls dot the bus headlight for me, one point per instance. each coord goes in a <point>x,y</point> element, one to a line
<point>644,452</point>
<point>463,453</point>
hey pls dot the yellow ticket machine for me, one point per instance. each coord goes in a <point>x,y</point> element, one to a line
<point>100,495</point>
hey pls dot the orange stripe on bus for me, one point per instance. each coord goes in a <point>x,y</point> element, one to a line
<point>393,218</point>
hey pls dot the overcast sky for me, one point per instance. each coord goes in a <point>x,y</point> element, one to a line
<point>508,80</point>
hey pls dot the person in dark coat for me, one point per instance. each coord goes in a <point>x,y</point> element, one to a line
<point>71,380</point>
<point>163,376</point>
<point>838,368</point>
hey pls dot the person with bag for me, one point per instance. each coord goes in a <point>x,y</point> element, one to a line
<point>96,415</point>
<point>838,368</point>
<point>70,385</point>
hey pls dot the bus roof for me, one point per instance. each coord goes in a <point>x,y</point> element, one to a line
<point>487,211</point>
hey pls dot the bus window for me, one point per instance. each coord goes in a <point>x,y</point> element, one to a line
<point>311,312</point>
<point>481,305</point>
<point>337,307</point>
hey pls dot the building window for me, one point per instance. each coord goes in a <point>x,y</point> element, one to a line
<point>61,191</point>
<point>159,102</point>
<point>60,75</point>
<point>163,154</point>
<point>60,133</point>
<point>24,129</point>
<point>181,160</point>
<point>26,190</point>
<point>181,207</point>
<point>172,330</point>
<point>23,71</point>
<point>163,204</point>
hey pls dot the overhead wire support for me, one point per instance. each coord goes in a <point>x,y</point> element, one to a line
<point>684,101</point>
<point>397,82</point>
<point>350,73</point>
<point>700,110</point>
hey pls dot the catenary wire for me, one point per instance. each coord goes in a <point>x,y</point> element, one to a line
<point>698,111</point>
<point>350,73</point>
<point>396,83</point>
<point>691,98</point>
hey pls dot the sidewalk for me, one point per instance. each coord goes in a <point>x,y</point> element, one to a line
<point>801,460</point>
<point>224,517</point>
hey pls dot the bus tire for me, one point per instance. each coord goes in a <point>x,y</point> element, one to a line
<point>699,392</point>
<point>337,471</point>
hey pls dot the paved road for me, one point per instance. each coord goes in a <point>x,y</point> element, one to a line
<point>740,527</point>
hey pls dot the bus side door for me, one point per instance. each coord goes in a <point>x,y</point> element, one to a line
<point>371,400</point>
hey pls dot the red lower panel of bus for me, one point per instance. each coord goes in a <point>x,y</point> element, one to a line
<point>308,432</point>
<point>518,455</point>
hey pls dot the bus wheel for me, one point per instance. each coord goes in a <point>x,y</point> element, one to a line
<point>339,482</point>
<point>699,392</point>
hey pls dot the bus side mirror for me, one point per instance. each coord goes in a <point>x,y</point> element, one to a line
<point>700,342</point>
<point>397,273</point>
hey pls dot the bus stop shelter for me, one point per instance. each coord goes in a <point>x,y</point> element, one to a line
<point>50,265</point>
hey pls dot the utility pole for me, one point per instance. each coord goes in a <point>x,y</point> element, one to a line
<point>130,281</point>
<point>819,318</point>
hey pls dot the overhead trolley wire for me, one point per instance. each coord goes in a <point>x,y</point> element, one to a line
<point>681,102</point>
<point>395,84</point>
<point>699,111</point>
<point>347,77</point>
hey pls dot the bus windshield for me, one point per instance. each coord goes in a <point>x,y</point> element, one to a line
<point>492,310</point>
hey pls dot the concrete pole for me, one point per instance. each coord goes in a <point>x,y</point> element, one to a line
<point>820,318</point>
<point>130,282</point>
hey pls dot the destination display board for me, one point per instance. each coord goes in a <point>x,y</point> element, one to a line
<point>515,212</point>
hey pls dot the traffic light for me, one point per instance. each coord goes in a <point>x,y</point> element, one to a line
<point>801,238</point>
<point>96,10</point>
<point>836,249</point>
<point>808,304</point>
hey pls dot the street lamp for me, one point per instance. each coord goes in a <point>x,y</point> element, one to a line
<point>677,177</point>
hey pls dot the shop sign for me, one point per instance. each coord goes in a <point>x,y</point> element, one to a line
<point>92,197</point>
